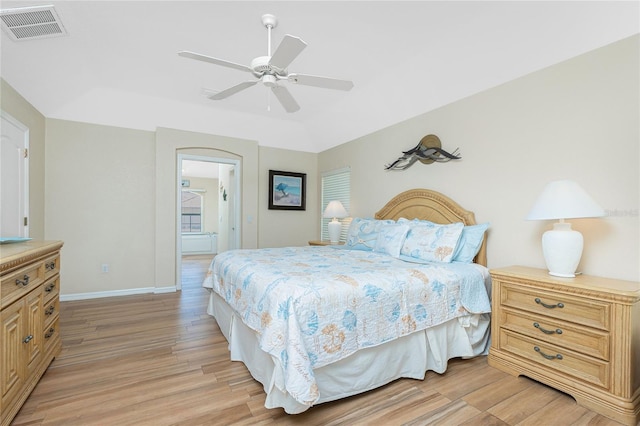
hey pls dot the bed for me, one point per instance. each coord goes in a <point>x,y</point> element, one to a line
<point>319,323</point>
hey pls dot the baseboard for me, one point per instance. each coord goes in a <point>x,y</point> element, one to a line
<point>115,293</point>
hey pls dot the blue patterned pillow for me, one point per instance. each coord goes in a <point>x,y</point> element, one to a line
<point>430,241</point>
<point>470,242</point>
<point>391,238</point>
<point>363,233</point>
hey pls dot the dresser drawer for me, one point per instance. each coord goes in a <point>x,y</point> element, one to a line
<point>562,360</point>
<point>51,311</point>
<point>51,289</point>
<point>556,305</point>
<point>51,335</point>
<point>51,266</point>
<point>585,340</point>
<point>21,282</point>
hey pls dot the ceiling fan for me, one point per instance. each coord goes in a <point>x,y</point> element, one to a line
<point>271,69</point>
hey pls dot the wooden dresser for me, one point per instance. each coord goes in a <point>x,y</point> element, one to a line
<point>29,307</point>
<point>579,335</point>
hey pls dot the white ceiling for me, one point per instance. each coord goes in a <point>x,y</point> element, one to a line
<point>118,65</point>
<point>200,169</point>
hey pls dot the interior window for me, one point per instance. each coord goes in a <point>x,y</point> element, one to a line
<point>336,185</point>
<point>191,210</point>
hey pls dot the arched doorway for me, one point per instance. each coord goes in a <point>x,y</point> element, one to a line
<point>208,211</point>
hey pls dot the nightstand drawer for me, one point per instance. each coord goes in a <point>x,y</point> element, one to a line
<point>562,360</point>
<point>556,305</point>
<point>585,340</point>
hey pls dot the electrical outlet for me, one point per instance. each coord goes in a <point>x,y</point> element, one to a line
<point>105,268</point>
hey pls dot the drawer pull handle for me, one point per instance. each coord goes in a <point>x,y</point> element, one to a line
<point>49,333</point>
<point>50,310</point>
<point>27,339</point>
<point>50,287</point>
<point>50,266</point>
<point>557,305</point>
<point>557,330</point>
<point>24,281</point>
<point>557,356</point>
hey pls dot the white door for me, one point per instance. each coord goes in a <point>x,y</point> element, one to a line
<point>14,175</point>
<point>231,241</point>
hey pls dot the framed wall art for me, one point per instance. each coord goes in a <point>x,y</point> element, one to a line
<point>287,190</point>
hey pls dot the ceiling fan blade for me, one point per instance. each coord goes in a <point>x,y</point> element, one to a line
<point>317,81</point>
<point>232,90</point>
<point>212,60</point>
<point>285,98</point>
<point>289,48</point>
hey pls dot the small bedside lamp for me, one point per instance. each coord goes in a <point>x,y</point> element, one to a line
<point>562,246</point>
<point>334,210</point>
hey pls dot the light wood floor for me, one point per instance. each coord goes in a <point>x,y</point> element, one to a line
<point>161,360</point>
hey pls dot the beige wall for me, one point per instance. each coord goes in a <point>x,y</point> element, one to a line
<point>111,197</point>
<point>19,108</point>
<point>282,228</point>
<point>99,199</point>
<point>577,120</point>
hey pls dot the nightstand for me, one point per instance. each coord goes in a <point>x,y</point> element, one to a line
<point>323,243</point>
<point>579,335</point>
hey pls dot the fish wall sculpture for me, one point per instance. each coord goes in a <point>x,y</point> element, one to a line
<point>428,151</point>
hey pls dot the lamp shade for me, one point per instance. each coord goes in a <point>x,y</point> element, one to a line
<point>564,199</point>
<point>335,209</point>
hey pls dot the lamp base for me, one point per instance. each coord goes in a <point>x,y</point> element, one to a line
<point>562,249</point>
<point>334,227</point>
<point>557,274</point>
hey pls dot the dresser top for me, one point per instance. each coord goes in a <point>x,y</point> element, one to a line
<point>586,282</point>
<point>16,253</point>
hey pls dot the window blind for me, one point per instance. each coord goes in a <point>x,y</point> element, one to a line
<point>336,185</point>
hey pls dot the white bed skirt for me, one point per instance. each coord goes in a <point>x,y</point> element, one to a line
<point>410,356</point>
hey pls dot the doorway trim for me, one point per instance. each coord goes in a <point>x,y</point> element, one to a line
<point>236,200</point>
<point>24,178</point>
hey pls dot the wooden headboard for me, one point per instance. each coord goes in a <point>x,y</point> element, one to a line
<point>433,206</point>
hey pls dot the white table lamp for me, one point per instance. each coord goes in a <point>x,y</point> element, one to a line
<point>334,210</point>
<point>562,246</point>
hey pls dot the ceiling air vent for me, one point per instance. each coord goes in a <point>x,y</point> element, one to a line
<point>29,23</point>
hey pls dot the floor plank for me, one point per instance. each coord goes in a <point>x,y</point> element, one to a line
<point>159,359</point>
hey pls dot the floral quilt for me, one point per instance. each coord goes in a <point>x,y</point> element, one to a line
<point>312,306</point>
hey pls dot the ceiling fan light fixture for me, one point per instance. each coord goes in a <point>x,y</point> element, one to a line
<point>269,80</point>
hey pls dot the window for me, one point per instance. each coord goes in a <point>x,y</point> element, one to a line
<point>191,212</point>
<point>336,185</point>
